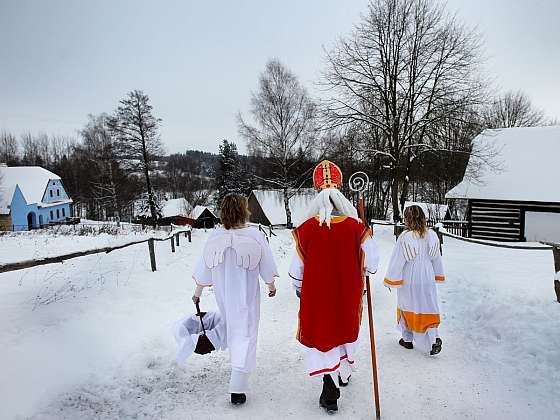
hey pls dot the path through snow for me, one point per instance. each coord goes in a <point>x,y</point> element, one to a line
<point>91,339</point>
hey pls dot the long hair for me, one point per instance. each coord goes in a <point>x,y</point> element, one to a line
<point>415,220</point>
<point>234,211</point>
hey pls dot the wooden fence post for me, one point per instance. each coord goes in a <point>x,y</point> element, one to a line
<point>398,229</point>
<point>152,254</point>
<point>189,233</point>
<point>177,239</point>
<point>440,237</point>
<point>172,244</point>
<point>556,254</point>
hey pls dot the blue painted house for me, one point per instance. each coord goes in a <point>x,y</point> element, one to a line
<point>31,197</point>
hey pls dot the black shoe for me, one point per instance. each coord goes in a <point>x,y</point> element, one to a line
<point>238,399</point>
<point>436,347</point>
<point>329,395</point>
<point>406,344</point>
<point>341,382</point>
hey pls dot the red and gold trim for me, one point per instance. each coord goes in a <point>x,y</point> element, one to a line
<point>298,245</point>
<point>418,323</point>
<point>334,219</point>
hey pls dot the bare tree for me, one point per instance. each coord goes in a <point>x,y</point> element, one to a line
<point>8,148</point>
<point>43,145</point>
<point>99,143</point>
<point>136,131</point>
<point>60,147</point>
<point>513,109</point>
<point>407,67</point>
<point>30,148</point>
<point>283,128</point>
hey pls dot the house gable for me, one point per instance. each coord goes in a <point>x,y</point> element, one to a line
<point>54,191</point>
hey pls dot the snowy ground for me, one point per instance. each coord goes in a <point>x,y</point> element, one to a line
<point>90,339</point>
<point>64,239</point>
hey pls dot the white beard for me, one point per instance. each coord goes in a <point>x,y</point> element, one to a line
<point>322,206</point>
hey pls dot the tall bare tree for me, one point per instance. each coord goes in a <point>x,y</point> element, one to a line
<point>406,67</point>
<point>136,131</point>
<point>283,128</point>
<point>98,141</point>
<point>513,109</point>
<point>8,148</point>
<point>30,149</point>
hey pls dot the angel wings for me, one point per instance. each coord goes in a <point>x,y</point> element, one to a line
<point>248,250</point>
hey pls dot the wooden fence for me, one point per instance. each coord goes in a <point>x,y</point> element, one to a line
<point>555,248</point>
<point>174,239</point>
<point>456,227</point>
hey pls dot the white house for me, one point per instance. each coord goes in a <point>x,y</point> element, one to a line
<point>30,197</point>
<point>519,199</point>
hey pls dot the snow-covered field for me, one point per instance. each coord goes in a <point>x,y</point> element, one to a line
<point>90,339</point>
<point>26,245</point>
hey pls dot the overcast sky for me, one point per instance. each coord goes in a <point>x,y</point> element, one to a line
<point>199,60</point>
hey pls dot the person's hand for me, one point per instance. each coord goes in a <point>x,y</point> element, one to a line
<point>195,299</point>
<point>271,290</point>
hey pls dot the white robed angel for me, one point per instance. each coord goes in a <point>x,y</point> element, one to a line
<point>415,270</point>
<point>232,262</point>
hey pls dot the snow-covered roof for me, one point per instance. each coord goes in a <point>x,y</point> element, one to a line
<point>176,207</point>
<point>32,181</point>
<point>432,211</point>
<point>272,204</point>
<point>527,160</point>
<point>198,210</point>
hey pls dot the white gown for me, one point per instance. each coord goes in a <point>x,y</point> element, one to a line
<point>414,270</point>
<point>340,358</point>
<point>232,262</point>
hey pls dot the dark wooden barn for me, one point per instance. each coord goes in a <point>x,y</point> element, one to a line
<point>202,217</point>
<point>518,200</point>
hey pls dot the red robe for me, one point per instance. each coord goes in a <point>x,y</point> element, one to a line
<point>333,281</point>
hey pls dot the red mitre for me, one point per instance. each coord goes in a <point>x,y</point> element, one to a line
<point>327,175</point>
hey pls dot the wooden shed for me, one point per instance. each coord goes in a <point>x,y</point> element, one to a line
<point>519,200</point>
<point>202,217</point>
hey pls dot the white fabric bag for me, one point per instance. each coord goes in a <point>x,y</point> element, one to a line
<point>187,330</point>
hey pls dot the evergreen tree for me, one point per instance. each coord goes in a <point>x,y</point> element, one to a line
<point>230,177</point>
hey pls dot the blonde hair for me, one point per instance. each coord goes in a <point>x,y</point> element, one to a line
<point>415,220</point>
<point>234,211</point>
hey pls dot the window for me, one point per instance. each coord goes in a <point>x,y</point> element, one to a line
<point>52,217</point>
<point>57,213</point>
<point>58,193</point>
<point>63,212</point>
<point>51,193</point>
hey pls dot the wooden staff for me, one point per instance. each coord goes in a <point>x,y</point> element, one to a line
<point>361,212</point>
